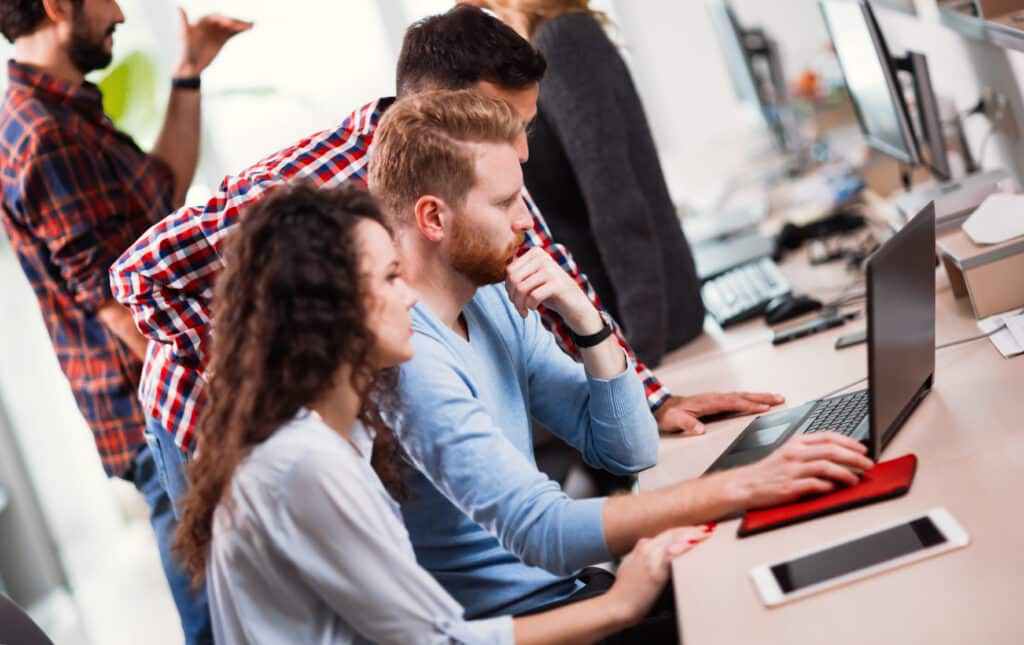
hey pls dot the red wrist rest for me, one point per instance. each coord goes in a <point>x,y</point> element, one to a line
<point>886,480</point>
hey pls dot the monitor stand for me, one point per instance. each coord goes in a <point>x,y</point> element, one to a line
<point>954,200</point>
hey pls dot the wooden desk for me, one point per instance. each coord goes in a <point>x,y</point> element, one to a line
<point>969,439</point>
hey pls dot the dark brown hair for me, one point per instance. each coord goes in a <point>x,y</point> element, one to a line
<point>22,17</point>
<point>459,48</point>
<point>288,313</point>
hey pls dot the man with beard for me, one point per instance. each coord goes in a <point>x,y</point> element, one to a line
<point>76,193</point>
<point>496,533</point>
<point>166,278</point>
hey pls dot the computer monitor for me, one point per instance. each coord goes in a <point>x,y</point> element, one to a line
<point>872,80</point>
<point>755,68</point>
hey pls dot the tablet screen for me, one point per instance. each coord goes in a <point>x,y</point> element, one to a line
<point>852,556</point>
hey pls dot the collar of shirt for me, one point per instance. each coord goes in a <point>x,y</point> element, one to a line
<point>85,98</point>
<point>359,435</point>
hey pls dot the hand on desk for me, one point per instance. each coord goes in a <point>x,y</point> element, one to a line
<point>681,413</point>
<point>807,464</point>
<point>644,572</point>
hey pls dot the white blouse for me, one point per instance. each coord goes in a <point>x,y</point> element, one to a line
<point>308,547</point>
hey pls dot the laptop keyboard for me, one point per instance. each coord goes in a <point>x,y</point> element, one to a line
<point>842,413</point>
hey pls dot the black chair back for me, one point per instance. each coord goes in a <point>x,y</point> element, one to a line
<point>16,628</point>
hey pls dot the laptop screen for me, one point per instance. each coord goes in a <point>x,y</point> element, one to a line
<point>901,325</point>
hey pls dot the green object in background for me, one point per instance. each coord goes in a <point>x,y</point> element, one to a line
<point>131,98</point>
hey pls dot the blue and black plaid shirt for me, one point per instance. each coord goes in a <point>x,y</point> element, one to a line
<point>76,193</point>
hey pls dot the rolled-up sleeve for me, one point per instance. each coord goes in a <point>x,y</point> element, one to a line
<point>72,202</point>
<point>332,531</point>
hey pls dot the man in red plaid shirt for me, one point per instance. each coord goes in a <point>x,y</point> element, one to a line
<point>166,278</point>
<point>76,193</point>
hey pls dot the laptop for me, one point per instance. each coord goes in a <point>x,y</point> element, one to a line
<point>901,356</point>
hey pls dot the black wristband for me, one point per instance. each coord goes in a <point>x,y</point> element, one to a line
<point>185,83</point>
<point>591,340</point>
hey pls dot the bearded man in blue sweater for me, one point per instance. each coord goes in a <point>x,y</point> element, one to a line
<point>498,534</point>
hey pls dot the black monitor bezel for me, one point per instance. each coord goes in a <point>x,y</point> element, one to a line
<point>777,114</point>
<point>722,10</point>
<point>912,154</point>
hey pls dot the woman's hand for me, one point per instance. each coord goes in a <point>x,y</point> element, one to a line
<point>644,572</point>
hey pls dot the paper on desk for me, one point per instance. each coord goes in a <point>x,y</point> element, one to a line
<point>999,218</point>
<point>1009,341</point>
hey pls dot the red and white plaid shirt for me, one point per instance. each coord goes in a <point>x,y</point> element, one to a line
<point>75,193</point>
<point>166,278</point>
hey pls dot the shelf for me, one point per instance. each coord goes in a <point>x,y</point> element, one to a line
<point>981,30</point>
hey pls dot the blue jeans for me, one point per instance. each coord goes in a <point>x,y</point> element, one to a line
<point>148,476</point>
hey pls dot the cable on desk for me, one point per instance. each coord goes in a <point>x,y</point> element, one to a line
<point>972,338</point>
<point>937,348</point>
<point>845,297</point>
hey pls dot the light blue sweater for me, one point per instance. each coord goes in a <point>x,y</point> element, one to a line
<point>497,533</point>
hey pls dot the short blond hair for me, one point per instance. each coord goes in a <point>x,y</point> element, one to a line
<point>420,147</point>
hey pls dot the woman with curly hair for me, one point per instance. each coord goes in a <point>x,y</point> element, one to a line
<point>290,516</point>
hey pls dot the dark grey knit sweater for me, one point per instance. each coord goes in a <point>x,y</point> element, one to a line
<point>594,172</point>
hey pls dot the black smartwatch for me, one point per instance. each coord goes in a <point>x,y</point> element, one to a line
<point>185,83</point>
<point>592,339</point>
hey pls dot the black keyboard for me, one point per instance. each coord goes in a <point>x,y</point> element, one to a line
<point>743,292</point>
<point>842,413</point>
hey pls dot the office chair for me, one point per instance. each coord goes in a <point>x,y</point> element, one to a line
<point>16,628</point>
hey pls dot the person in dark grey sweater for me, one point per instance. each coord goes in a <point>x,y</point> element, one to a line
<point>594,172</point>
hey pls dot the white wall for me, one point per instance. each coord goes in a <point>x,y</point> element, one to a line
<point>694,114</point>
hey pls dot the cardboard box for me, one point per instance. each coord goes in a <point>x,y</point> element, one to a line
<point>992,275</point>
<point>1005,13</point>
<point>992,9</point>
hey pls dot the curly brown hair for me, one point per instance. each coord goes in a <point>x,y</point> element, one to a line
<point>288,314</point>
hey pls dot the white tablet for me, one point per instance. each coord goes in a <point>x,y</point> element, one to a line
<point>858,557</point>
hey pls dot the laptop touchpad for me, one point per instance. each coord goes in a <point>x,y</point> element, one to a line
<point>761,438</point>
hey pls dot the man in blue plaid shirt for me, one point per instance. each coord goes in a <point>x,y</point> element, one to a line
<point>76,192</point>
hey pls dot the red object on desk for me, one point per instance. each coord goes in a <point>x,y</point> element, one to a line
<point>886,480</point>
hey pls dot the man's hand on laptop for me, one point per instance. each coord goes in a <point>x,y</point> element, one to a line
<point>807,464</point>
<point>535,279</point>
<point>682,413</point>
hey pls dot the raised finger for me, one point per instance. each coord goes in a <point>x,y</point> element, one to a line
<point>227,21</point>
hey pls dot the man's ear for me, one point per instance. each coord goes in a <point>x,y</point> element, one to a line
<point>431,215</point>
<point>57,10</point>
